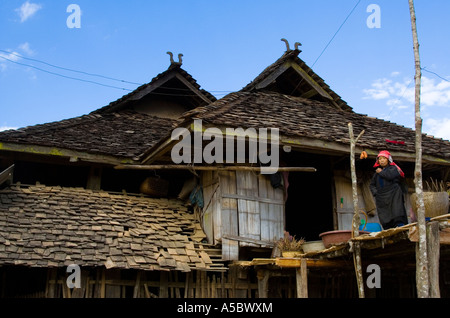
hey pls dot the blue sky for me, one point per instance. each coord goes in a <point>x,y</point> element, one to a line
<point>225,44</point>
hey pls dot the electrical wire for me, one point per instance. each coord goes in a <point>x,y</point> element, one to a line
<point>329,42</point>
<point>444,79</point>
<point>96,75</point>
<point>335,33</point>
<point>65,76</point>
<point>68,69</point>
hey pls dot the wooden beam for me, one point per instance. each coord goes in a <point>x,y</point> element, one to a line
<point>193,89</point>
<point>212,168</point>
<point>444,236</point>
<point>63,153</point>
<point>7,175</point>
<point>311,263</point>
<point>247,240</point>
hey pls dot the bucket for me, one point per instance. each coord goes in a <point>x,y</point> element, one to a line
<point>371,227</point>
<point>313,246</point>
<point>331,238</point>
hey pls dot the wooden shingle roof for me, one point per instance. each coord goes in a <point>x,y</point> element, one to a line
<point>297,117</point>
<point>126,134</point>
<point>115,130</point>
<point>42,226</point>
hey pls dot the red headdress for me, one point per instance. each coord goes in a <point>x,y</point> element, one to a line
<point>387,154</point>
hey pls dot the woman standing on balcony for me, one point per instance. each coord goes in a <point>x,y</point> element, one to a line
<point>387,191</point>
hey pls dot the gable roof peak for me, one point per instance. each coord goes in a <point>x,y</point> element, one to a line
<point>290,75</point>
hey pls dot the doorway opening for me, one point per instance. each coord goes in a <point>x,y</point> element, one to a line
<point>309,205</point>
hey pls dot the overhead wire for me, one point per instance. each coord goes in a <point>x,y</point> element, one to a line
<point>92,74</point>
<point>329,42</point>
<point>65,76</point>
<point>442,78</point>
<point>335,33</point>
<point>69,69</point>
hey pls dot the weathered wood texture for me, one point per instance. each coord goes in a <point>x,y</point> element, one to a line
<point>344,200</point>
<point>104,283</point>
<point>245,210</point>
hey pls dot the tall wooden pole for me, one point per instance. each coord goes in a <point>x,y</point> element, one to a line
<point>356,219</point>
<point>422,278</point>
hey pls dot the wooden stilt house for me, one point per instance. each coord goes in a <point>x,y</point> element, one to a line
<point>103,191</point>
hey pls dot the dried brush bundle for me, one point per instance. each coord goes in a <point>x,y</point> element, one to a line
<point>290,243</point>
<point>435,186</point>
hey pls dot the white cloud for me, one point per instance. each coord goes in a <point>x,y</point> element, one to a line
<point>26,48</point>
<point>395,98</point>
<point>432,92</point>
<point>27,10</point>
<point>438,127</point>
<point>13,55</point>
<point>3,128</point>
<point>4,57</point>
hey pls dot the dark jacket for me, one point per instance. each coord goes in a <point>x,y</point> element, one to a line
<point>387,190</point>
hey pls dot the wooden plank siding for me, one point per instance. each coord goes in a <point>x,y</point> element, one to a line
<point>229,220</point>
<point>245,209</point>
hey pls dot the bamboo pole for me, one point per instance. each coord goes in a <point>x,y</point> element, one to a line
<point>422,277</point>
<point>213,168</point>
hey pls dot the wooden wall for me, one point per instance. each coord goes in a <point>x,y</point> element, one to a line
<point>366,202</point>
<point>344,199</point>
<point>241,209</point>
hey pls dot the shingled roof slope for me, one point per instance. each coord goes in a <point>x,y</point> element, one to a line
<point>125,134</point>
<point>42,226</point>
<point>115,129</point>
<point>300,117</point>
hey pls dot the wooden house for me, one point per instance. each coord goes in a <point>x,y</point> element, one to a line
<point>77,194</point>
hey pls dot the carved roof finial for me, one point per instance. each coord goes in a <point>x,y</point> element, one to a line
<point>287,44</point>
<point>172,61</point>
<point>171,57</point>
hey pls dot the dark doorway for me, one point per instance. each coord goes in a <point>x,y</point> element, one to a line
<point>309,207</point>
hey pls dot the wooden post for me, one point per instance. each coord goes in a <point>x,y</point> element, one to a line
<point>358,268</point>
<point>52,278</point>
<point>137,285</point>
<point>302,279</point>
<point>103,284</point>
<point>164,285</point>
<point>263,282</point>
<point>81,292</point>
<point>422,279</point>
<point>433,258</point>
<point>356,219</point>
